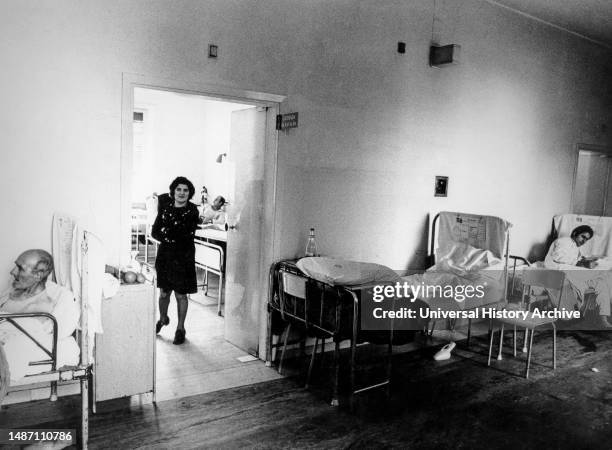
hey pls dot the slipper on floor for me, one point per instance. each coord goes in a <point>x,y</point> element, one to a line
<point>445,352</point>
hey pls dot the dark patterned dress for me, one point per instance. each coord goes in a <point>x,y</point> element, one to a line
<point>175,229</point>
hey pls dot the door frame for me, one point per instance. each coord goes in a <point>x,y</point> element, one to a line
<point>271,101</point>
<point>588,148</point>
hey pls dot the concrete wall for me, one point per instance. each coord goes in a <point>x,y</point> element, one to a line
<point>375,126</point>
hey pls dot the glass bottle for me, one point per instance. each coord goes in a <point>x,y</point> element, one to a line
<point>134,265</point>
<point>311,245</point>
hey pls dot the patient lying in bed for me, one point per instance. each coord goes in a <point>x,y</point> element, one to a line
<point>565,254</point>
<point>28,293</point>
<point>31,293</point>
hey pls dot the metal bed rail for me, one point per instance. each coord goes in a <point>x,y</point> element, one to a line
<point>506,256</point>
<point>80,372</point>
<point>210,257</point>
<point>335,314</point>
<point>83,370</point>
<point>55,373</point>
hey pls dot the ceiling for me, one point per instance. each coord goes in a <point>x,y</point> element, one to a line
<point>589,18</point>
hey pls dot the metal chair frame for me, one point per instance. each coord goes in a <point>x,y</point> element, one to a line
<point>543,278</point>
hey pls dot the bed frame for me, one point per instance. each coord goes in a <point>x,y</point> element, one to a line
<point>506,256</point>
<point>83,370</point>
<point>342,324</point>
<point>209,257</point>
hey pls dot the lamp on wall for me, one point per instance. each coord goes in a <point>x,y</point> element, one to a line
<point>220,157</point>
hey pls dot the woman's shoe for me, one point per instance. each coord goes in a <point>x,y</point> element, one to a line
<point>160,323</point>
<point>179,337</point>
<point>445,352</point>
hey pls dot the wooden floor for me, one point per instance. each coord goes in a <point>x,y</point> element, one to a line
<point>206,362</point>
<point>459,403</point>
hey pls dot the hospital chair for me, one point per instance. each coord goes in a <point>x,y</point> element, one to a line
<point>550,280</point>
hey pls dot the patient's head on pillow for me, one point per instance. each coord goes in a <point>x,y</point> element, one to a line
<point>218,202</point>
<point>582,234</point>
<point>32,268</point>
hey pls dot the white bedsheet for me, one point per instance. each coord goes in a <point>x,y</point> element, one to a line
<point>20,351</point>
<point>579,281</point>
<point>461,266</point>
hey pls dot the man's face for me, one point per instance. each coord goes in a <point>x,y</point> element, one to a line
<point>218,203</point>
<point>24,273</point>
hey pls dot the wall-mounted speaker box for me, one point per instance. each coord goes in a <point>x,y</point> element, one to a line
<point>440,56</point>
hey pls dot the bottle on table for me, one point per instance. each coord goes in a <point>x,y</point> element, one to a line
<point>311,245</point>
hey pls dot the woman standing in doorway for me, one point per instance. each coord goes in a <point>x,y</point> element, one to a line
<point>175,228</point>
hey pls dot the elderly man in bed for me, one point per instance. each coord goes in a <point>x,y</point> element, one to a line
<point>31,292</point>
<point>28,293</point>
<point>565,254</point>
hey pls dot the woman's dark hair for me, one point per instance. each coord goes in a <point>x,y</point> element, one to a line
<point>582,229</point>
<point>186,182</point>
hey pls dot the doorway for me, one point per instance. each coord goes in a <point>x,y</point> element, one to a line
<point>592,192</point>
<point>200,135</point>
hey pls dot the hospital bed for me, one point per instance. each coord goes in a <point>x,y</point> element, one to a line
<point>584,289</point>
<point>465,250</point>
<point>330,308</point>
<point>48,369</point>
<point>210,257</point>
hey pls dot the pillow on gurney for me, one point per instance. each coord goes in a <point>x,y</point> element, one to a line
<point>340,272</point>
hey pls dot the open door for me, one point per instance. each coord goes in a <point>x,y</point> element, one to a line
<point>244,291</point>
<point>592,184</point>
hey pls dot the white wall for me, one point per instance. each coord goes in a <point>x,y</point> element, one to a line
<point>375,126</point>
<point>378,126</point>
<point>187,133</point>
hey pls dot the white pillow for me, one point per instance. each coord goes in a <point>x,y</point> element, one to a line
<point>346,273</point>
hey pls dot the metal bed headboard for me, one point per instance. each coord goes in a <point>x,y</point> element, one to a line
<point>506,246</point>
